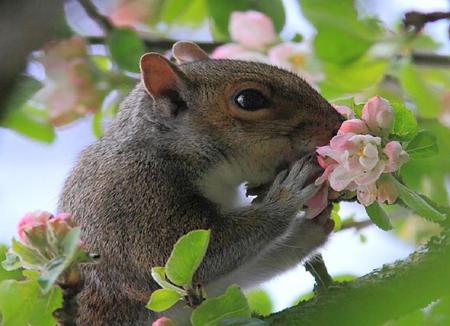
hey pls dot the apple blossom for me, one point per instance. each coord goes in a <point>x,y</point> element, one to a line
<point>237,52</point>
<point>396,156</point>
<point>387,191</point>
<point>358,159</point>
<point>31,221</point>
<point>346,112</point>
<point>378,115</point>
<point>69,91</point>
<point>252,29</point>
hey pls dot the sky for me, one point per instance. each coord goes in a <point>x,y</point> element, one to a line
<point>32,173</point>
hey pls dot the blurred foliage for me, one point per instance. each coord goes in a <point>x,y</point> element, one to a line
<point>352,57</point>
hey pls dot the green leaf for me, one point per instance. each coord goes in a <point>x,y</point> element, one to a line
<point>343,278</point>
<point>220,11</point>
<point>423,145</point>
<point>426,100</point>
<point>25,121</point>
<point>8,273</point>
<point>341,36</point>
<point>159,275</point>
<point>404,126</point>
<point>260,302</point>
<point>186,256</point>
<point>188,12</point>
<point>211,311</point>
<point>297,38</point>
<point>22,302</point>
<point>239,321</point>
<point>29,257</point>
<point>341,80</point>
<point>126,48</point>
<point>304,297</point>
<point>163,299</point>
<point>55,267</point>
<point>379,216</point>
<point>336,217</point>
<point>417,203</point>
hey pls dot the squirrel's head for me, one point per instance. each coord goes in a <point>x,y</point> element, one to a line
<point>254,114</point>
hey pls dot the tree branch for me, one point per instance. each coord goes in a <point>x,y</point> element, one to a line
<point>417,20</point>
<point>382,295</point>
<point>92,12</point>
<point>316,266</point>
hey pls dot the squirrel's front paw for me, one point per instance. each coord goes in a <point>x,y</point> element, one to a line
<point>294,187</point>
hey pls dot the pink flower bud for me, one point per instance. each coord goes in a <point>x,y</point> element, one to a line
<point>317,203</point>
<point>387,191</point>
<point>355,126</point>
<point>396,156</point>
<point>227,51</point>
<point>378,115</point>
<point>344,111</point>
<point>163,321</point>
<point>29,221</point>
<point>252,29</point>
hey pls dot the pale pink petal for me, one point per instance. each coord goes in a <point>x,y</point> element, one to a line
<point>340,177</point>
<point>370,176</point>
<point>367,194</point>
<point>325,175</point>
<point>163,321</point>
<point>387,191</point>
<point>396,156</point>
<point>355,126</point>
<point>252,29</point>
<point>378,115</point>
<point>317,203</point>
<point>343,143</point>
<point>227,51</point>
<point>345,111</point>
<point>370,156</point>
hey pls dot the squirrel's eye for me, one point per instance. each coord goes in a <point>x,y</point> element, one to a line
<point>251,100</point>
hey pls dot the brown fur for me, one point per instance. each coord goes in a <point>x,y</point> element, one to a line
<point>144,184</point>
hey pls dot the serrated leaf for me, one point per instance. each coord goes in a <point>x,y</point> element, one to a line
<point>22,302</point>
<point>417,204</point>
<point>211,311</point>
<point>126,48</point>
<point>259,302</point>
<point>423,145</point>
<point>163,299</point>
<point>186,256</point>
<point>379,216</point>
<point>9,273</point>
<point>404,126</point>
<point>29,257</point>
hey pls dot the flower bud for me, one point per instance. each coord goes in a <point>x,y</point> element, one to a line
<point>378,115</point>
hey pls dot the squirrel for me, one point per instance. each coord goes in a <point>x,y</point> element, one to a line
<point>171,161</point>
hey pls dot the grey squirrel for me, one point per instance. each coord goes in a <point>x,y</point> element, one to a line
<point>184,139</point>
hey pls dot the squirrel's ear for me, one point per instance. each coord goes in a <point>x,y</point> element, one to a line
<point>159,75</point>
<point>188,52</point>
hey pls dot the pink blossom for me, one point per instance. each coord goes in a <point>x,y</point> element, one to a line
<point>252,29</point>
<point>317,203</point>
<point>288,56</point>
<point>129,13</point>
<point>236,52</point>
<point>367,194</point>
<point>344,111</point>
<point>396,155</point>
<point>387,191</point>
<point>69,90</point>
<point>30,221</point>
<point>355,126</point>
<point>163,321</point>
<point>378,115</point>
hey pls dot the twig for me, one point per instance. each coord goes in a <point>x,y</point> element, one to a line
<point>71,287</point>
<point>316,266</point>
<point>358,225</point>
<point>417,20</point>
<point>93,13</point>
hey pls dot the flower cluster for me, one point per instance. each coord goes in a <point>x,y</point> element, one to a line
<point>69,90</point>
<point>360,157</point>
<point>44,232</point>
<point>254,39</point>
